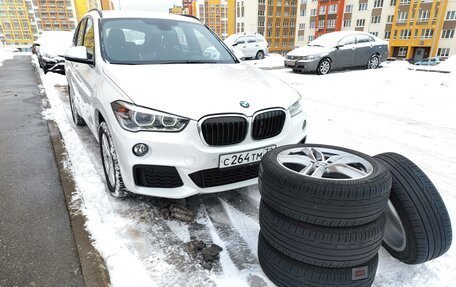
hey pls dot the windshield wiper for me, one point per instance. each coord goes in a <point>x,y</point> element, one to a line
<point>315,45</point>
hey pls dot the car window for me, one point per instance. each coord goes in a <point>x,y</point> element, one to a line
<point>160,41</point>
<point>251,39</point>
<point>364,38</point>
<point>347,40</point>
<point>80,38</point>
<point>240,40</point>
<point>89,40</point>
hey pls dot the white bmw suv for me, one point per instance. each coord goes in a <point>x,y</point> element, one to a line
<point>171,119</point>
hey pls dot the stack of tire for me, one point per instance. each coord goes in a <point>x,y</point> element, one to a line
<point>322,216</point>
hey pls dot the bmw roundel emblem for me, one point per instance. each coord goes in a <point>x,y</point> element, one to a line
<point>244,104</point>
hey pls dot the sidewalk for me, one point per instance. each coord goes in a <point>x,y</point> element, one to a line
<point>36,242</point>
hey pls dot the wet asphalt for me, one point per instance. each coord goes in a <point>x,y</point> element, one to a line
<point>37,247</point>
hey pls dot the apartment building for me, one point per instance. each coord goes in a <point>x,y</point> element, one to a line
<point>274,19</point>
<point>176,10</point>
<point>22,21</point>
<point>215,13</point>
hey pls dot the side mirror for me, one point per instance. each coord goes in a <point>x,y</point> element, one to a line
<point>78,54</point>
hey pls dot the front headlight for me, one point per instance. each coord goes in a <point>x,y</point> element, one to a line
<point>134,118</point>
<point>310,58</point>
<point>295,109</point>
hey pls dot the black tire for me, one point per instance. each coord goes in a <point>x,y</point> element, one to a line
<point>374,62</point>
<point>77,119</point>
<point>324,202</point>
<point>259,55</point>
<point>117,188</point>
<point>331,247</point>
<point>295,71</point>
<point>321,70</point>
<point>421,210</point>
<point>288,272</point>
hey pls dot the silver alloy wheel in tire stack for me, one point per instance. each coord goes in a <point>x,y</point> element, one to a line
<point>321,216</point>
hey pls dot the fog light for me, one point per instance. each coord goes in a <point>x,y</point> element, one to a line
<point>304,124</point>
<point>140,149</point>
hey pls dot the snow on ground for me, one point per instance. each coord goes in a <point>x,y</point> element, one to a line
<point>5,54</point>
<point>388,109</point>
<point>273,61</point>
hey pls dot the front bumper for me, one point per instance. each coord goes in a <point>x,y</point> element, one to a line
<point>55,67</point>
<point>305,66</point>
<point>186,152</point>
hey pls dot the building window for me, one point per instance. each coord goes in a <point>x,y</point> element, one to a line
<point>378,3</point>
<point>321,23</point>
<point>322,10</point>
<point>451,15</point>
<point>311,38</point>
<point>362,6</point>
<point>331,23</point>
<point>348,8</point>
<point>393,3</point>
<point>312,25</point>
<point>360,22</point>
<point>447,34</point>
<point>300,38</point>
<point>375,19</point>
<point>423,15</point>
<point>427,33</point>
<point>347,23</point>
<point>302,26</point>
<point>303,13</point>
<point>405,34</point>
<point>390,19</point>
<point>374,33</point>
<point>387,35</point>
<point>402,17</point>
<point>443,52</point>
<point>402,51</point>
<point>332,9</point>
<point>313,12</point>
<point>404,2</point>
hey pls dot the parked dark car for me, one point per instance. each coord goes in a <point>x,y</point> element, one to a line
<point>338,50</point>
<point>49,49</point>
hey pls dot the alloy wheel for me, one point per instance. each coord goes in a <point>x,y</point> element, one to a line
<point>108,160</point>
<point>325,163</point>
<point>324,67</point>
<point>395,236</point>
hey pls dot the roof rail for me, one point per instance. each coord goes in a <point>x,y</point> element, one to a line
<point>190,16</point>
<point>98,10</point>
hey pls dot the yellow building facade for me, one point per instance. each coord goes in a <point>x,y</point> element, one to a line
<point>15,26</point>
<point>417,27</point>
<point>82,6</point>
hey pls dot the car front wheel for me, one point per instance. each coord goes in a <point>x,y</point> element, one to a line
<point>324,67</point>
<point>259,55</point>
<point>110,163</point>
<point>374,62</point>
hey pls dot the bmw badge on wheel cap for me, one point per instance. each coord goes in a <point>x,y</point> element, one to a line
<point>244,104</point>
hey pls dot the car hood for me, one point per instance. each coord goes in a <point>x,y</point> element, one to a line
<point>309,51</point>
<point>197,90</point>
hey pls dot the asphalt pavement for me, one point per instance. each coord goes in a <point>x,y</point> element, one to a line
<point>37,246</point>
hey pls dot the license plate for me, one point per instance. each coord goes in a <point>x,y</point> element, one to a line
<point>290,63</point>
<point>245,157</point>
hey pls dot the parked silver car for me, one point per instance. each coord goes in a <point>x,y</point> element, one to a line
<point>338,50</point>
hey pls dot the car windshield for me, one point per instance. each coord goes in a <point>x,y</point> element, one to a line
<point>327,40</point>
<point>160,41</point>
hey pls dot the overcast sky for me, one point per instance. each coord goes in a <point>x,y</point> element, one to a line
<point>150,5</point>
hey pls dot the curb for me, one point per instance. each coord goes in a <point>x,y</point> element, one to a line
<point>93,267</point>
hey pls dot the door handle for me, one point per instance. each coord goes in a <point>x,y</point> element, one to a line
<point>244,46</point>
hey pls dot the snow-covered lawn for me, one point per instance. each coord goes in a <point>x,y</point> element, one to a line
<point>388,109</point>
